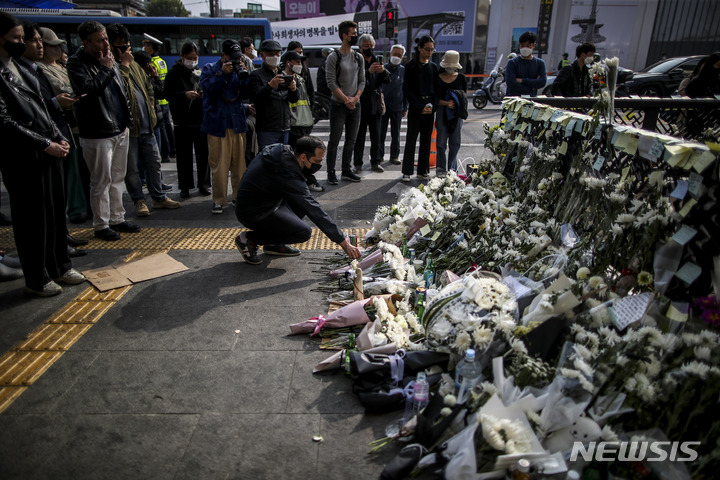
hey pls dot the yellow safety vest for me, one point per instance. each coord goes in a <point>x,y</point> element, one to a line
<point>162,70</point>
<point>565,63</point>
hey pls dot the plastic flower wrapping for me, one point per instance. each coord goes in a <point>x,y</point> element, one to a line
<point>580,261</point>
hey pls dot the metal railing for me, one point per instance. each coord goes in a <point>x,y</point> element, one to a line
<point>686,118</point>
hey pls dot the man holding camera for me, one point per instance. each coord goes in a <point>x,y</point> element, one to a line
<point>270,90</point>
<point>224,86</point>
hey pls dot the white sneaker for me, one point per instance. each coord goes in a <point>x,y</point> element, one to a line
<point>49,289</point>
<point>71,277</point>
<point>406,178</point>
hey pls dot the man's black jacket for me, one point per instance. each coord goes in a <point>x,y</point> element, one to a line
<point>274,177</point>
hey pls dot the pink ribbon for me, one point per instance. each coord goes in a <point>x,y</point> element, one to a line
<point>320,323</point>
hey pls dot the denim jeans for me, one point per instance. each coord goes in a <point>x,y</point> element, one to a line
<point>266,137</point>
<point>394,118</point>
<point>342,117</point>
<point>447,141</point>
<point>145,149</point>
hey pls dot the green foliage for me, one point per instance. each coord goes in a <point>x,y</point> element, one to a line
<point>166,8</point>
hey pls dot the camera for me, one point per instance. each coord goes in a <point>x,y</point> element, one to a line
<point>238,64</point>
<point>286,81</point>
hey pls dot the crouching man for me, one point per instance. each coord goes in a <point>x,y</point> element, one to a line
<point>273,198</point>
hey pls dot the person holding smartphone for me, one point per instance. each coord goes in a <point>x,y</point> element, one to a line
<point>370,114</point>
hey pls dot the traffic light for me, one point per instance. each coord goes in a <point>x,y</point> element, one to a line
<point>390,22</point>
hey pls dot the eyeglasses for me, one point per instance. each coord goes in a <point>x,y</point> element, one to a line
<point>429,50</point>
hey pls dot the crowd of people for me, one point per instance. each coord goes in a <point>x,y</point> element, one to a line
<point>103,120</point>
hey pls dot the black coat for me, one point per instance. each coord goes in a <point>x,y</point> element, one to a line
<point>25,123</point>
<point>95,113</point>
<point>185,112</point>
<point>572,81</point>
<point>272,106</point>
<point>274,178</point>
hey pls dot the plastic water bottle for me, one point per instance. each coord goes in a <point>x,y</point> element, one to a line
<point>421,393</point>
<point>468,373</point>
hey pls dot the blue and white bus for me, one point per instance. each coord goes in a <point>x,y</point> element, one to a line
<point>207,33</point>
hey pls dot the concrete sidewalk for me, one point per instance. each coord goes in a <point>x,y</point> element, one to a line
<point>194,376</point>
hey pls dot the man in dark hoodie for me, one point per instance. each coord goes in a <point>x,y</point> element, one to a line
<point>273,198</point>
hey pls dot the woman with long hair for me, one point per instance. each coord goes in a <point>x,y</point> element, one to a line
<point>182,90</point>
<point>420,89</point>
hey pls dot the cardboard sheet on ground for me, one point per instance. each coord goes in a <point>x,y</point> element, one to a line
<point>122,274</point>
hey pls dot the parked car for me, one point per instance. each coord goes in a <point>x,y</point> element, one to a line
<point>624,74</point>
<point>661,79</point>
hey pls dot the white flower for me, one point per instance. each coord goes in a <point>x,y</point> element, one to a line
<point>612,62</point>
<point>450,400</point>
<point>618,197</point>
<point>445,411</point>
<point>518,346</point>
<point>442,328</point>
<point>625,218</point>
<point>594,282</point>
<point>702,353</point>
<point>696,368</point>
<point>582,273</point>
<point>463,342</point>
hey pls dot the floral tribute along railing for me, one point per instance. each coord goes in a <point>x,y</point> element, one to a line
<point>580,261</point>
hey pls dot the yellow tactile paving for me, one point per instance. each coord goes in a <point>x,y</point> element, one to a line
<point>181,239</point>
<point>29,359</point>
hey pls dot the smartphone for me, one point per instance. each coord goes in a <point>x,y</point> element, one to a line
<point>78,97</point>
<point>380,59</point>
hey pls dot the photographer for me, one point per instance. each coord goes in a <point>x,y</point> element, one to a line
<point>224,87</point>
<point>271,90</point>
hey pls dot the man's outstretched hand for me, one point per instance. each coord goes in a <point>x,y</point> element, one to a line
<point>352,252</point>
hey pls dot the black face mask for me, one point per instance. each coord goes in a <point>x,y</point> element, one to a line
<point>353,40</point>
<point>15,50</point>
<point>314,168</point>
<point>368,52</point>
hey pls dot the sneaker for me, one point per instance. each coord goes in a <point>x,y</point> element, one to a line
<point>281,250</point>
<point>167,203</point>
<point>216,208</point>
<point>125,227</point>
<point>395,161</point>
<point>377,168</point>
<point>424,176</point>
<point>184,193</point>
<point>141,208</point>
<point>165,187</point>
<point>71,277</point>
<point>107,234</point>
<point>315,187</point>
<point>247,249</point>
<point>350,176</point>
<point>406,178</point>
<point>205,191</point>
<point>332,178</point>
<point>357,170</point>
<point>441,174</point>
<point>49,289</point>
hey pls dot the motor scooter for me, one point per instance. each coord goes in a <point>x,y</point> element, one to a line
<point>492,89</point>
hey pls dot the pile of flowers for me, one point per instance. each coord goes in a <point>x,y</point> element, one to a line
<point>581,272</point>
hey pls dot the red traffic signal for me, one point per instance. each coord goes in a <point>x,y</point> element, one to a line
<point>389,16</point>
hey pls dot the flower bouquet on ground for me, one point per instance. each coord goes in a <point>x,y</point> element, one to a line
<point>357,313</point>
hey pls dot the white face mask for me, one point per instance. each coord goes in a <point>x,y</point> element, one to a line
<point>297,68</point>
<point>395,60</point>
<point>589,61</point>
<point>272,61</point>
<point>190,63</point>
<point>253,54</point>
<point>450,70</point>
<point>525,52</point>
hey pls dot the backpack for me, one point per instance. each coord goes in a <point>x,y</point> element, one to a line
<point>358,59</point>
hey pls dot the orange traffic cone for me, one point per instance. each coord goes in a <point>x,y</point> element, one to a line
<point>433,148</point>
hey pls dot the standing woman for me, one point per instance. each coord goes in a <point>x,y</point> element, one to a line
<point>32,171</point>
<point>75,190</point>
<point>182,90</point>
<point>452,101</point>
<point>420,89</point>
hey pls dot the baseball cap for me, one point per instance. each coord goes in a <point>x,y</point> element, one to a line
<point>231,46</point>
<point>270,46</point>
<point>292,55</point>
<point>49,37</point>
